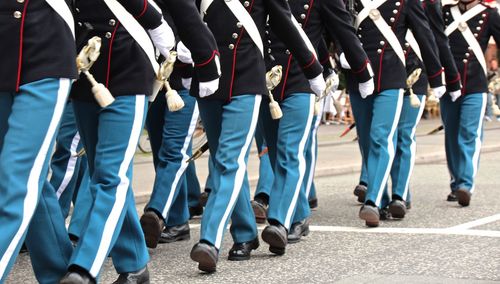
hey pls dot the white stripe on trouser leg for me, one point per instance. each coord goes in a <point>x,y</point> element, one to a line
<point>240,173</point>
<point>31,198</point>
<point>184,164</point>
<point>312,167</point>
<point>478,144</point>
<point>70,169</point>
<point>302,162</point>
<point>121,190</point>
<point>390,146</point>
<point>413,148</point>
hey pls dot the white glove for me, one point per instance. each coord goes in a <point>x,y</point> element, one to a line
<point>343,61</point>
<point>317,84</point>
<point>183,53</point>
<point>186,83</point>
<point>208,88</point>
<point>163,38</point>
<point>455,95</point>
<point>439,91</point>
<point>366,88</point>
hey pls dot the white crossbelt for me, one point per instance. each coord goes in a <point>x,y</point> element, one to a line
<point>460,23</point>
<point>413,44</point>
<point>371,10</point>
<point>304,36</point>
<point>243,17</point>
<point>61,7</point>
<point>135,30</point>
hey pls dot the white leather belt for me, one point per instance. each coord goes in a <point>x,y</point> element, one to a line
<point>371,10</point>
<point>61,7</point>
<point>460,23</point>
<point>413,44</point>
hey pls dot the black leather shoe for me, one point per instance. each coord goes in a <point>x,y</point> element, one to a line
<point>195,211</point>
<point>204,198</point>
<point>260,211</point>
<point>360,192</point>
<point>77,278</point>
<point>206,255</point>
<point>175,233</point>
<point>384,213</point>
<point>298,230</point>
<point>242,251</point>
<point>136,277</point>
<point>451,197</point>
<point>397,208</point>
<point>152,226</point>
<point>463,196</point>
<point>277,238</point>
<point>370,214</point>
<point>313,203</point>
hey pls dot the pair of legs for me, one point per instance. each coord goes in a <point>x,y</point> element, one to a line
<point>29,120</point>
<point>463,125</point>
<point>110,136</point>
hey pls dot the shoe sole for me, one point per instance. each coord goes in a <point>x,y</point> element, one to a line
<point>151,229</point>
<point>463,197</point>
<point>371,219</point>
<point>205,261</point>
<point>260,214</point>
<point>361,194</point>
<point>397,212</point>
<point>276,244</point>
<point>178,239</point>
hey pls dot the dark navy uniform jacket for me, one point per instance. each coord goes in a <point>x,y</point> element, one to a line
<point>36,44</point>
<point>390,72</point>
<point>184,19</point>
<point>484,25</point>
<point>434,15</point>
<point>242,64</point>
<point>316,16</point>
<point>123,67</point>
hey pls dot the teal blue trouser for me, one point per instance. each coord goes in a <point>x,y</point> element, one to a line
<point>377,118</point>
<point>463,126</point>
<point>286,139</point>
<point>172,132</point>
<point>406,147</point>
<point>230,128</point>
<point>110,136</point>
<point>266,175</point>
<point>29,120</point>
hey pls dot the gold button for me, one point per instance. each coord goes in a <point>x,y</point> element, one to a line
<point>231,46</point>
<point>112,22</point>
<point>17,14</point>
<point>108,35</point>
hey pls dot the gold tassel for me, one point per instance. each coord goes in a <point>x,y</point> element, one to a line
<point>174,101</point>
<point>410,81</point>
<point>273,78</point>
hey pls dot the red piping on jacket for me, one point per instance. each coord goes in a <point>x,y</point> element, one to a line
<point>109,54</point>
<point>214,53</point>
<point>144,9</point>
<point>21,37</point>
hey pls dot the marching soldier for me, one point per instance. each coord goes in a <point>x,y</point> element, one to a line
<point>469,26</point>
<point>35,81</point>
<point>110,127</point>
<point>171,132</point>
<point>230,116</point>
<point>382,27</point>
<point>287,138</point>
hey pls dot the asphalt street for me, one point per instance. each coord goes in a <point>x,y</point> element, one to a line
<point>437,242</point>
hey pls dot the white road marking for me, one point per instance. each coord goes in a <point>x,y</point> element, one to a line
<point>476,223</point>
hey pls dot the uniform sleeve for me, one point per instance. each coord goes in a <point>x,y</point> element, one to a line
<point>494,25</point>
<point>324,58</point>
<point>436,23</point>
<point>195,35</point>
<point>421,30</point>
<point>145,13</point>
<point>281,23</point>
<point>337,21</point>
